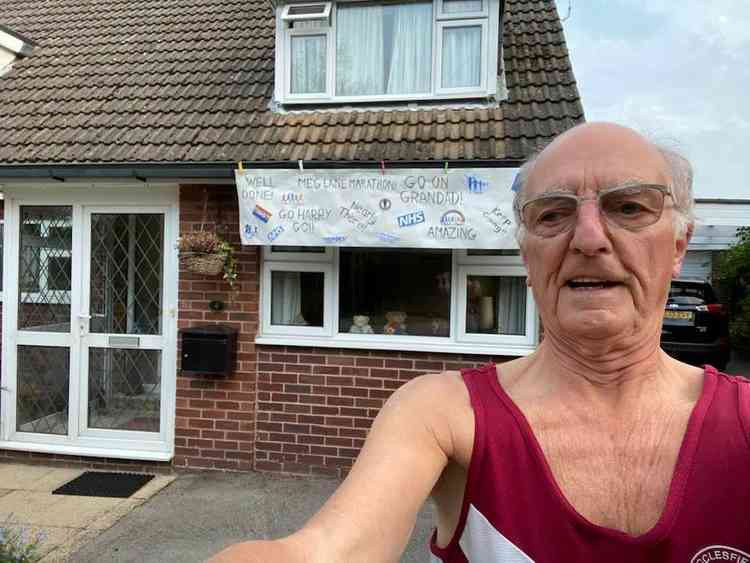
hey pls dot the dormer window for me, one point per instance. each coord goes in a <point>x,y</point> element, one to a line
<point>390,51</point>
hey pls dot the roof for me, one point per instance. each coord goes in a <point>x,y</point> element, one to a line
<point>178,81</point>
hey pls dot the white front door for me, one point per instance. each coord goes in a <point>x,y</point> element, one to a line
<point>89,328</point>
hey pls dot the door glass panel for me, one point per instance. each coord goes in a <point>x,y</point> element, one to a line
<point>124,389</point>
<point>44,268</point>
<point>127,252</point>
<point>43,380</point>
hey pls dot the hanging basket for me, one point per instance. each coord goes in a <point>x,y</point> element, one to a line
<point>204,264</point>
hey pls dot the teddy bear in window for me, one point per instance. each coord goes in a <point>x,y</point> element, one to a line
<point>396,322</point>
<point>361,325</point>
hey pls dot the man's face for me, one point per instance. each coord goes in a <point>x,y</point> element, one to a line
<point>635,267</point>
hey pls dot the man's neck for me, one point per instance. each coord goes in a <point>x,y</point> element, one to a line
<point>615,380</point>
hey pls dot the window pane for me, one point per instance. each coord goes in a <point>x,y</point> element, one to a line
<point>460,6</point>
<point>496,305</point>
<point>44,274</point>
<point>383,49</point>
<point>59,273</point>
<point>309,64</point>
<point>297,298</point>
<point>405,291</point>
<point>462,56</point>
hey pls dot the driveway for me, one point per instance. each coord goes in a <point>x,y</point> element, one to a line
<point>200,513</point>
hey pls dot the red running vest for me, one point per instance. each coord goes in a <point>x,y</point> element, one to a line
<point>513,510</point>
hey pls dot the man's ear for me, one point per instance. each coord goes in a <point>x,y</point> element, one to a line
<point>680,248</point>
<point>525,265</point>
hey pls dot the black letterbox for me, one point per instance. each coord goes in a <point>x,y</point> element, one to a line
<point>209,349</point>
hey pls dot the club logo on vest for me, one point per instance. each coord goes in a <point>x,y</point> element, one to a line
<point>720,553</point>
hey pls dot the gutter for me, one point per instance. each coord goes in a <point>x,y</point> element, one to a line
<point>15,42</point>
<point>203,171</point>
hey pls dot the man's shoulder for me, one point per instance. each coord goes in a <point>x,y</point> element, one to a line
<point>447,387</point>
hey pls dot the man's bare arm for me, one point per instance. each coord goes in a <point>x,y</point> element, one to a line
<point>371,515</point>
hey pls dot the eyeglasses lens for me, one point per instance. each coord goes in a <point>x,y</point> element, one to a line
<point>630,207</point>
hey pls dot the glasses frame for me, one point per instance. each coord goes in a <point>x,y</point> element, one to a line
<point>520,208</point>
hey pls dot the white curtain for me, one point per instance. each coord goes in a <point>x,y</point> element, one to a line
<point>511,305</point>
<point>308,64</point>
<point>461,56</point>
<point>286,298</point>
<point>411,61</point>
<point>359,50</point>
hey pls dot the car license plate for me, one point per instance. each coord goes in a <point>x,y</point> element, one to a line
<point>679,315</point>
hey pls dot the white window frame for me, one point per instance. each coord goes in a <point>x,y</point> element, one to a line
<point>327,256</point>
<point>466,91</point>
<point>325,15</point>
<point>441,15</point>
<point>489,18</point>
<point>293,330</point>
<point>530,334</point>
<point>458,341</point>
<point>327,32</point>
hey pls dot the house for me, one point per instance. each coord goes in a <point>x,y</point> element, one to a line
<point>132,124</point>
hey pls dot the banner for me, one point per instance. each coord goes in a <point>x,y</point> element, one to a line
<point>424,208</point>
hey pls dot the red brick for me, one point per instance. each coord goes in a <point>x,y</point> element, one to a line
<point>339,421</point>
<point>395,363</point>
<point>384,373</point>
<point>227,424</point>
<point>340,401</point>
<point>267,466</point>
<point>366,382</point>
<point>312,379</point>
<point>370,362</point>
<point>327,370</point>
<point>200,423</point>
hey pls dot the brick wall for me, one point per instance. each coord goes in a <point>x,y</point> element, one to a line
<point>315,405</point>
<point>216,415</point>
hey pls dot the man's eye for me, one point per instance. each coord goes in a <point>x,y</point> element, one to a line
<point>629,208</point>
<point>553,216</point>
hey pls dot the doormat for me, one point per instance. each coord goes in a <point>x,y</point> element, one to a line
<point>104,484</point>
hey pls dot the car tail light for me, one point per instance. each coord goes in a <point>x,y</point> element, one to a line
<point>713,308</point>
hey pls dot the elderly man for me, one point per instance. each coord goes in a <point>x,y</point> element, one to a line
<point>598,446</point>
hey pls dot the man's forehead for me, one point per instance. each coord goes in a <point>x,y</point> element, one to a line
<point>595,157</point>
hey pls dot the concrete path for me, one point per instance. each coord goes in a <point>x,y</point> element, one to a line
<point>65,522</point>
<point>200,513</point>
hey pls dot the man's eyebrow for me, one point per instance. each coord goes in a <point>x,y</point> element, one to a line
<point>564,187</point>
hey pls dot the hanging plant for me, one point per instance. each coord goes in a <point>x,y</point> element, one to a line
<point>206,253</point>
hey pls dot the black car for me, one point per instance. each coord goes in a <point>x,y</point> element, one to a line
<point>696,327</point>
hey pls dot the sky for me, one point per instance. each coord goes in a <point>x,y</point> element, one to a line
<point>678,71</point>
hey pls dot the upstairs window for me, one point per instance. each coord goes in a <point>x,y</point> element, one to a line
<point>399,51</point>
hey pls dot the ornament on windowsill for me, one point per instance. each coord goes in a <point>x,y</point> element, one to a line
<point>396,322</point>
<point>361,325</point>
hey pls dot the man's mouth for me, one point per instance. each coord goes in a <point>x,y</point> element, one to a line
<point>591,283</point>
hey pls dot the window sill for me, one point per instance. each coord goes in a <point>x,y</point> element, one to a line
<point>399,343</point>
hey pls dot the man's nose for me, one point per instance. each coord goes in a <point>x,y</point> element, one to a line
<point>590,234</point>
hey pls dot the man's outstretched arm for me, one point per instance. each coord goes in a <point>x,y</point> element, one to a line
<point>371,515</point>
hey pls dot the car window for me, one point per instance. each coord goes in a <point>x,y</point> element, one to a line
<point>690,295</point>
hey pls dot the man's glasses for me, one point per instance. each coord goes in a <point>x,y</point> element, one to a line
<point>631,207</point>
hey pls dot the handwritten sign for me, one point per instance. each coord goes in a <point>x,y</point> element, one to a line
<point>425,208</point>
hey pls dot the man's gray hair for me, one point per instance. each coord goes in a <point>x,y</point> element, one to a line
<point>680,170</point>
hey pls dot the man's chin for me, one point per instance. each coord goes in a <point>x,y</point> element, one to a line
<point>593,325</point>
